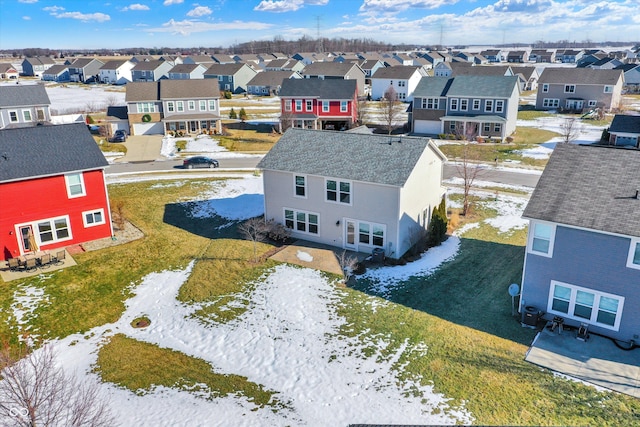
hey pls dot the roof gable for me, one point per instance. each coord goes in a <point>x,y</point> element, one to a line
<point>323,89</point>
<point>23,95</point>
<point>580,76</point>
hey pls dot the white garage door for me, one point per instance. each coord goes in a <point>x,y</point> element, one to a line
<point>427,127</point>
<point>148,129</point>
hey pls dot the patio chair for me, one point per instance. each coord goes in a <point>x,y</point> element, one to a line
<point>58,258</point>
<point>45,261</point>
<point>14,264</point>
<point>30,264</point>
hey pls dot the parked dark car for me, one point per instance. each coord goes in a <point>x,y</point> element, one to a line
<point>119,136</point>
<point>200,162</point>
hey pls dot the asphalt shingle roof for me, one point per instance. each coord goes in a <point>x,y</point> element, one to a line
<point>626,124</point>
<point>379,159</point>
<point>591,187</point>
<point>172,89</point>
<point>432,87</point>
<point>395,72</point>
<point>23,95</point>
<point>489,86</point>
<point>47,150</point>
<point>323,89</point>
<point>580,76</point>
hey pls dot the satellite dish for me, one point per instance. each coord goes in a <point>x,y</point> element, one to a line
<point>514,290</point>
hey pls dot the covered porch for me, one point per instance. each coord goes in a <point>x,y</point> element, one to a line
<point>192,124</point>
<point>472,127</point>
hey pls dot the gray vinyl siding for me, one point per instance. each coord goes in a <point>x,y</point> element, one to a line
<point>590,260</point>
<point>585,92</point>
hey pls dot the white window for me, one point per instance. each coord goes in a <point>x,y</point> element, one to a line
<point>93,218</point>
<point>13,116</point>
<point>541,238</point>
<point>487,127</point>
<point>499,106</point>
<point>585,305</point>
<point>300,184</point>
<point>453,104</point>
<point>146,107</point>
<point>371,234</point>
<point>464,104</point>
<point>551,102</point>
<point>75,185</point>
<point>569,88</point>
<point>287,105</point>
<point>608,89</point>
<point>202,105</point>
<point>344,106</point>
<point>430,103</point>
<point>402,83</point>
<point>633,260</point>
<point>325,106</point>
<point>476,104</point>
<point>26,114</point>
<point>401,95</point>
<point>488,105</point>
<point>212,105</point>
<point>301,221</point>
<point>309,105</point>
<point>53,230</point>
<point>298,104</point>
<point>545,87</point>
<point>592,103</point>
<point>497,127</point>
<point>171,107</point>
<point>338,191</point>
<point>180,106</point>
<point>191,105</point>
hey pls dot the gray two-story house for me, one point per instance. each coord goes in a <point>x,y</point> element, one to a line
<point>24,105</point>
<point>187,71</point>
<point>150,71</point>
<point>355,191</point>
<point>466,106</point>
<point>35,66</point>
<point>582,260</point>
<point>231,77</point>
<point>577,89</point>
<point>82,69</point>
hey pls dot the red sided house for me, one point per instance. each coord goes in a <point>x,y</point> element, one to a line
<point>52,189</point>
<point>319,104</point>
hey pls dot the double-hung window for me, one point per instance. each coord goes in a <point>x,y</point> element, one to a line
<point>545,87</point>
<point>453,104</point>
<point>309,105</point>
<point>146,107</point>
<point>298,104</point>
<point>180,106</point>
<point>26,114</point>
<point>13,116</point>
<point>325,106</point>
<point>344,106</point>
<point>202,105</point>
<point>541,238</point>
<point>488,105</point>
<point>300,184</point>
<point>464,104</point>
<point>550,102</point>
<point>608,89</point>
<point>171,107</point>
<point>585,305</point>
<point>569,88</point>
<point>191,105</point>
<point>54,230</point>
<point>338,191</point>
<point>633,259</point>
<point>499,106</point>
<point>287,105</point>
<point>301,221</point>
<point>371,234</point>
<point>476,104</point>
<point>75,185</point>
<point>212,105</point>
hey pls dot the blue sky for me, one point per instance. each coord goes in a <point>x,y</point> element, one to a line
<point>85,24</point>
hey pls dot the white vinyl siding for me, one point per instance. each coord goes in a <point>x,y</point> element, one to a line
<point>338,191</point>
<point>301,221</point>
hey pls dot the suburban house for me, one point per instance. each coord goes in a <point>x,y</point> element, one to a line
<point>631,77</point>
<point>318,104</point>
<point>8,71</point>
<point>205,60</point>
<point>518,56</point>
<point>434,58</point>
<point>606,64</point>
<point>529,77</point>
<point>187,71</point>
<point>150,71</point>
<point>336,71</point>
<point>403,79</point>
<point>469,106</point>
<point>492,55</point>
<point>35,66</point>
<point>569,56</point>
<point>356,191</point>
<point>173,106</point>
<point>285,64</point>
<point>222,58</point>
<point>582,259</point>
<point>82,69</point>
<point>625,131</point>
<point>370,66</point>
<point>575,89</point>
<point>54,177</point>
<point>24,105</point>
<point>117,72</point>
<point>56,73</point>
<point>542,55</point>
<point>268,83</point>
<point>231,77</point>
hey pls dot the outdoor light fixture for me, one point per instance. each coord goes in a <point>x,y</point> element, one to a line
<point>337,223</point>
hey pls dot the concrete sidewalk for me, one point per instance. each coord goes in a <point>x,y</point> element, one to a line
<point>142,148</point>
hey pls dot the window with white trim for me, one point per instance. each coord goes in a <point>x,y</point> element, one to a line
<point>488,105</point>
<point>325,106</point>
<point>202,105</point>
<point>53,230</point>
<point>497,127</point>
<point>453,104</point>
<point>344,106</point>
<point>75,185</point>
<point>191,105</point>
<point>608,89</point>
<point>298,104</point>
<point>464,104</point>
<point>545,87</point>
<point>26,115</point>
<point>402,83</point>
<point>499,106</point>
<point>220,78</point>
<point>212,105</point>
<point>487,127</point>
<point>146,107</point>
<point>401,96</point>
<point>371,233</point>
<point>551,102</point>
<point>180,106</point>
<point>569,88</point>
<point>287,105</point>
<point>541,238</point>
<point>171,107</point>
<point>633,259</point>
<point>476,104</point>
<point>585,305</point>
<point>93,218</point>
<point>430,103</point>
<point>338,191</point>
<point>300,184</point>
<point>301,221</point>
<point>592,103</point>
<point>13,116</point>
<point>309,105</point>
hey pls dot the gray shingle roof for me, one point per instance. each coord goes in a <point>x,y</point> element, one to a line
<point>395,72</point>
<point>338,69</point>
<point>172,89</point>
<point>47,150</point>
<point>353,156</point>
<point>223,69</point>
<point>23,95</point>
<point>270,78</point>
<point>114,64</point>
<point>580,76</point>
<point>432,87</point>
<point>323,89</point>
<point>489,86</point>
<point>147,65</point>
<point>591,187</point>
<point>626,124</point>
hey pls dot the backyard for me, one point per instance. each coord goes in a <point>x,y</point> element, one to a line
<point>237,342</point>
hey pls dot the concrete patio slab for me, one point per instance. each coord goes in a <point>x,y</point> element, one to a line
<point>597,360</point>
<point>8,276</point>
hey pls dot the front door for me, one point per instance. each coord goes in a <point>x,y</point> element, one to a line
<point>27,239</point>
<point>350,234</point>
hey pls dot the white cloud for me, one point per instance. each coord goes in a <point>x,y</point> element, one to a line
<point>199,11</point>
<point>26,18</point>
<point>394,6</point>
<point>187,27</point>
<point>279,6</point>
<point>136,6</point>
<point>170,2</point>
<point>28,1</point>
<point>53,9</point>
<point>84,17</point>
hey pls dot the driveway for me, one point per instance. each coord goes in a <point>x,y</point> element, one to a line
<point>142,148</point>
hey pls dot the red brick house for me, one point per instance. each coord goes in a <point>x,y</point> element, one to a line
<point>319,104</point>
<point>52,186</point>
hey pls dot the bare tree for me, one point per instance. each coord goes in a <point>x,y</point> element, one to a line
<point>255,230</point>
<point>468,169</point>
<point>349,264</point>
<point>390,108</point>
<point>34,392</point>
<point>286,120</point>
<point>570,129</point>
<point>362,113</point>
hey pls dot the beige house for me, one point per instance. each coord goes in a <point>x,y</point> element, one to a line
<point>354,191</point>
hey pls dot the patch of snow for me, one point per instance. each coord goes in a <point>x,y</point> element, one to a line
<point>304,256</point>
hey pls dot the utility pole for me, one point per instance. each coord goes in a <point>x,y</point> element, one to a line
<point>319,46</point>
